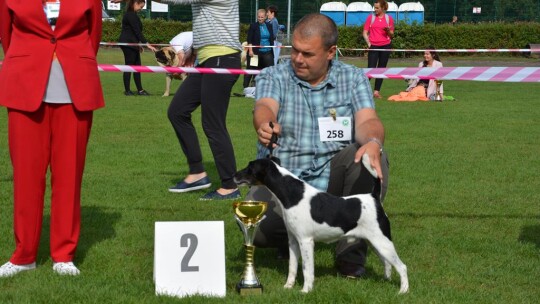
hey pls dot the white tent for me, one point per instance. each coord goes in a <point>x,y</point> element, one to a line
<point>357,13</point>
<point>335,10</point>
<point>393,10</point>
<point>411,12</point>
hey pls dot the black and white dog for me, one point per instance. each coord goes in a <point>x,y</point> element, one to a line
<point>311,215</point>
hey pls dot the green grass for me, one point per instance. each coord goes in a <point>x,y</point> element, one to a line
<point>463,202</point>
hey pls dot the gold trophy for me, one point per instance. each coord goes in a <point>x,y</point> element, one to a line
<point>249,214</point>
<point>438,95</point>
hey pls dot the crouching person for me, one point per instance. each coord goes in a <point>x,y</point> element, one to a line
<point>298,99</point>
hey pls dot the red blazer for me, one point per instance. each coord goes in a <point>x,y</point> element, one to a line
<point>29,44</point>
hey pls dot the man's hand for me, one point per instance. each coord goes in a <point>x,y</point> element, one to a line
<point>264,133</point>
<point>373,150</point>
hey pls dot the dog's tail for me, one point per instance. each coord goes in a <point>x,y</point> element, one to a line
<point>377,184</point>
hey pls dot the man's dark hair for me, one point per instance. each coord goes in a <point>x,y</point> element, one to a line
<point>317,24</point>
<point>272,8</point>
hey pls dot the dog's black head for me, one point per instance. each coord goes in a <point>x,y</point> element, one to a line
<point>165,56</point>
<point>255,173</point>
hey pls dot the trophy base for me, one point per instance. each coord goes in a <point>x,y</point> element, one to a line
<point>247,290</point>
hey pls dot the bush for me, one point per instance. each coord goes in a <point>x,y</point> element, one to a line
<point>442,36</point>
<point>155,30</point>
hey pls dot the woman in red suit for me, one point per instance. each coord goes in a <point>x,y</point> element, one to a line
<point>50,84</point>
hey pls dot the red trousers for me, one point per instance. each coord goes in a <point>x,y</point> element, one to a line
<point>54,136</point>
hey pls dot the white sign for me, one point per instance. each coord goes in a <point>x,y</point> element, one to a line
<point>254,61</point>
<point>335,129</point>
<point>477,10</point>
<point>113,6</point>
<point>159,7</point>
<point>189,258</point>
<point>52,9</point>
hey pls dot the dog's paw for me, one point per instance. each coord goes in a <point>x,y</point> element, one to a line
<point>305,290</point>
<point>404,288</point>
<point>288,285</point>
<point>165,95</point>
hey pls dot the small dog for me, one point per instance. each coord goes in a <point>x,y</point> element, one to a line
<point>167,57</point>
<point>312,215</point>
<point>411,83</point>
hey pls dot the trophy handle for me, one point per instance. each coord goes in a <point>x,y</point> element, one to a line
<point>253,228</point>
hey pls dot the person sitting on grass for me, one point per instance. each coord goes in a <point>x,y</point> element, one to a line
<point>422,89</point>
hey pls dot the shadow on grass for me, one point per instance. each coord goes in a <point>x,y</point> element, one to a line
<point>464,216</point>
<point>530,234</point>
<point>97,225</point>
<point>267,258</point>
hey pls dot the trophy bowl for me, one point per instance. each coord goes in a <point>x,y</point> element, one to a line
<point>249,214</point>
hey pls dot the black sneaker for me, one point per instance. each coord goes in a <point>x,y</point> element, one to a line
<point>129,93</point>
<point>143,93</point>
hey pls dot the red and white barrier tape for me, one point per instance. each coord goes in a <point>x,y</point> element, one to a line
<point>133,44</point>
<point>496,74</point>
<point>166,44</point>
<point>160,69</point>
<point>448,50</point>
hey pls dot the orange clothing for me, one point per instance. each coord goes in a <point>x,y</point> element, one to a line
<point>418,93</point>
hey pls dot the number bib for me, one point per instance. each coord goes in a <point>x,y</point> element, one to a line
<point>338,129</point>
<point>52,9</point>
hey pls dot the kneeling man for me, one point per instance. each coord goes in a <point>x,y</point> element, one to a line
<point>323,113</point>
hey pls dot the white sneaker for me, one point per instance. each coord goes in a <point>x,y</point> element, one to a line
<point>66,268</point>
<point>9,269</point>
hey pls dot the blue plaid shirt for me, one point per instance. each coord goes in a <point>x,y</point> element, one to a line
<point>345,89</point>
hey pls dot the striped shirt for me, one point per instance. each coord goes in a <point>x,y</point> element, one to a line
<point>346,89</point>
<point>215,22</point>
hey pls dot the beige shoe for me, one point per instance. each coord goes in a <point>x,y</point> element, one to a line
<point>9,269</point>
<point>66,268</point>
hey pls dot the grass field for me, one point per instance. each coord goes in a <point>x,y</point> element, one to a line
<point>462,201</point>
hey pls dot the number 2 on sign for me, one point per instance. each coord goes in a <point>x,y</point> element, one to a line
<point>192,246</point>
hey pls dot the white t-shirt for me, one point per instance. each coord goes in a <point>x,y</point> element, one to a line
<point>57,90</point>
<point>183,42</point>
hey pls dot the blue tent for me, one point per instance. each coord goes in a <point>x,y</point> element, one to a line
<point>411,12</point>
<point>335,10</point>
<point>357,13</point>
